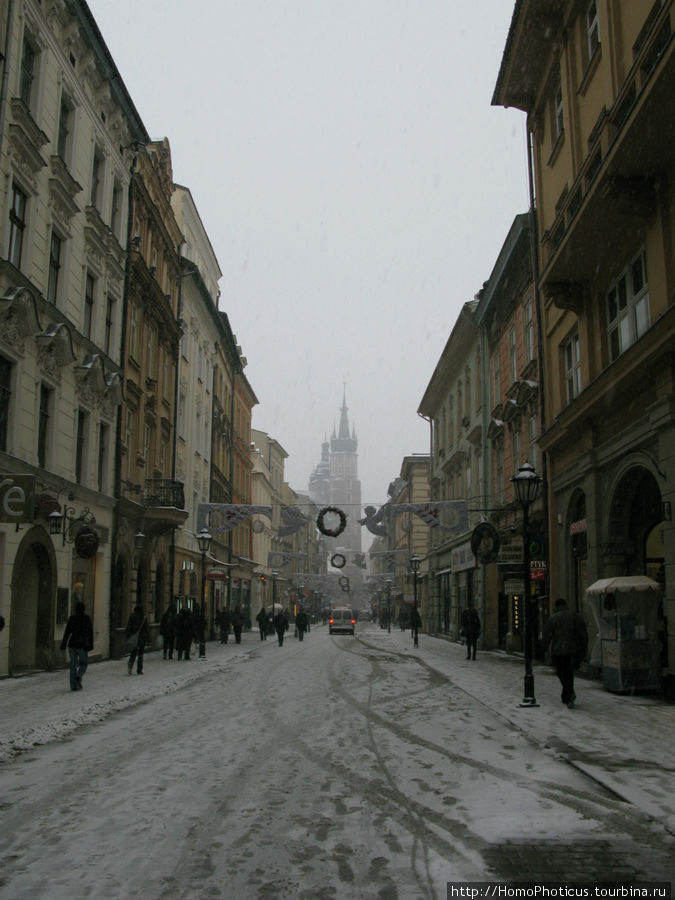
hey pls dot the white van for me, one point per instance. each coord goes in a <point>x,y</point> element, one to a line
<point>341,621</point>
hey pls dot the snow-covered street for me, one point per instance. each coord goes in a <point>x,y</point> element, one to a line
<point>332,767</point>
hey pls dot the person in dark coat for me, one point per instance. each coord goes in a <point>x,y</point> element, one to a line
<point>567,634</point>
<point>415,623</point>
<point>167,628</point>
<point>301,623</point>
<point>199,629</point>
<point>79,639</point>
<point>262,620</point>
<point>137,626</point>
<point>184,632</point>
<point>237,624</point>
<point>469,626</point>
<point>280,626</point>
<point>224,625</point>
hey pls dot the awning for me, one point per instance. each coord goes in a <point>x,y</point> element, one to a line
<point>623,583</point>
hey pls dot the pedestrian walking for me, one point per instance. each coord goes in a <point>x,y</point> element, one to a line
<point>184,632</point>
<point>199,629</point>
<point>415,622</point>
<point>237,624</point>
<point>167,628</point>
<point>224,624</point>
<point>262,620</point>
<point>301,623</point>
<point>567,634</point>
<point>469,629</point>
<point>138,634</point>
<point>280,626</point>
<point>79,639</point>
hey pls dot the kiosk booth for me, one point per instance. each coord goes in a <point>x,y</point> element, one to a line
<point>625,610</point>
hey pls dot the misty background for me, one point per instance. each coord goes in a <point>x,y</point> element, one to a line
<point>354,181</point>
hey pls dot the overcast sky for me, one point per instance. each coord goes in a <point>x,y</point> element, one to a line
<point>356,185</point>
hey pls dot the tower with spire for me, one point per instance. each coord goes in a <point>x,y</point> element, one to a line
<point>335,481</point>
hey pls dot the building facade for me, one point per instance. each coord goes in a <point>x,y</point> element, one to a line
<point>67,129</point>
<point>453,403</point>
<point>507,317</point>
<point>151,503</point>
<point>596,80</point>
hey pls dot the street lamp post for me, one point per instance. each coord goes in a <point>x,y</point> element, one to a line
<point>526,484</point>
<point>275,575</point>
<point>415,566</point>
<point>204,539</point>
<point>389,605</point>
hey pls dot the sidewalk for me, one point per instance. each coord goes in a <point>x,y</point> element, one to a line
<point>625,743</point>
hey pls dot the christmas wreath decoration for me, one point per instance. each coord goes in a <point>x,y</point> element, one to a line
<point>331,532</point>
<point>338,560</point>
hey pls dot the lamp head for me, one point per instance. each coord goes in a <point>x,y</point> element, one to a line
<point>526,483</point>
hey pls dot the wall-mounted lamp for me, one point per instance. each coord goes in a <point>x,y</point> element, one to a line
<point>67,524</point>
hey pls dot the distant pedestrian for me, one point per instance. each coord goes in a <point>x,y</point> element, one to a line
<point>237,624</point>
<point>567,634</point>
<point>469,627</point>
<point>138,634</point>
<point>301,623</point>
<point>79,639</point>
<point>280,626</point>
<point>224,624</point>
<point>199,629</point>
<point>415,623</point>
<point>167,628</point>
<point>184,632</point>
<point>262,620</point>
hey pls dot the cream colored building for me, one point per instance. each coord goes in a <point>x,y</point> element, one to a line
<point>67,132</point>
<point>268,458</point>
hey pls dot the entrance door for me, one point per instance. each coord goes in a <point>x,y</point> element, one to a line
<point>32,634</point>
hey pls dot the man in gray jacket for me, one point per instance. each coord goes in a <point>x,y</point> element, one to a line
<point>566,632</point>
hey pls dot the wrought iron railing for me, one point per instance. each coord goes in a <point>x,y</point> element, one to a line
<point>164,492</point>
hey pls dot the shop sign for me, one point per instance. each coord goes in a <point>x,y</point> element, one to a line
<point>462,558</point>
<point>16,498</point>
<point>578,527</point>
<point>537,570</point>
<point>511,550</point>
<point>216,572</point>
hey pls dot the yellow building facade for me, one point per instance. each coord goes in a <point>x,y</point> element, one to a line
<point>596,80</point>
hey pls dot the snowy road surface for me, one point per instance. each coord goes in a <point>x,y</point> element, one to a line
<point>336,767</point>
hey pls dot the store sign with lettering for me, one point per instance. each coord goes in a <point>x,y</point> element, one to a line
<point>17,498</point>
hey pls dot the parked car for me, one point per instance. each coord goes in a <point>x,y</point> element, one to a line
<point>341,621</point>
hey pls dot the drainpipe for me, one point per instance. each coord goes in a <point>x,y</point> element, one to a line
<point>540,341</point>
<point>179,311</point>
<point>431,592</point>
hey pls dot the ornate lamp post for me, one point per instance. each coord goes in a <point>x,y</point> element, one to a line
<point>204,539</point>
<point>415,566</point>
<point>526,484</point>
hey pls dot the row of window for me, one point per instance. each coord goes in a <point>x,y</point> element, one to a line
<point>46,430</point>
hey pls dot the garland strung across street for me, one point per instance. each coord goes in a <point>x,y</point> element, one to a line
<point>331,532</point>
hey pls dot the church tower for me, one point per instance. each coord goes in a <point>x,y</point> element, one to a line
<point>335,481</point>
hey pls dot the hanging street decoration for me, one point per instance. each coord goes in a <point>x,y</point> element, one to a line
<point>338,560</point>
<point>282,557</point>
<point>359,560</point>
<point>331,532</point>
<point>454,513</point>
<point>292,520</point>
<point>223,517</point>
<point>485,543</point>
<point>373,520</point>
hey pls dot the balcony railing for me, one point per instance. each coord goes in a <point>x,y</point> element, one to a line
<point>164,492</point>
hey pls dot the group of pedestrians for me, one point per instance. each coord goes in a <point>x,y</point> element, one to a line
<point>565,632</point>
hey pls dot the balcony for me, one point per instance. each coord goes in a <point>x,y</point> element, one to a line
<point>164,492</point>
